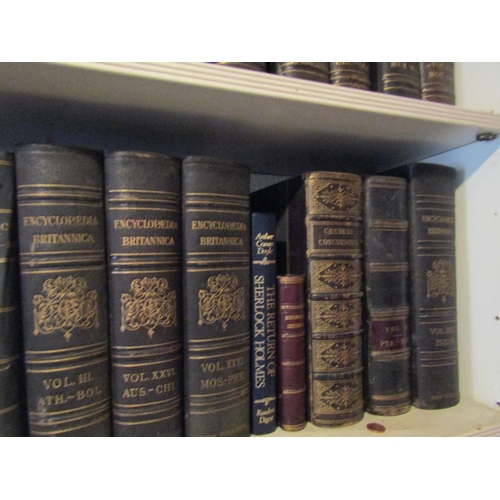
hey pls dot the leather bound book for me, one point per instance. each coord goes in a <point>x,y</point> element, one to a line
<point>433,313</point>
<point>314,71</point>
<point>397,78</point>
<point>386,346</point>
<point>319,223</point>
<point>264,360</point>
<point>64,290</point>
<point>438,82</point>
<point>292,377</point>
<point>350,74</point>
<point>216,257</point>
<point>13,421</point>
<point>143,208</point>
<point>252,66</point>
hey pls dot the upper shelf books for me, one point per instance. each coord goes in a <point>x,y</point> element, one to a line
<point>430,81</point>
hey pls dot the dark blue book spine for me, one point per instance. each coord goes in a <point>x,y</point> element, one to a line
<point>264,359</point>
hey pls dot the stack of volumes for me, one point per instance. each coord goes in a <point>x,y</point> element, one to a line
<point>429,81</point>
<point>147,295</point>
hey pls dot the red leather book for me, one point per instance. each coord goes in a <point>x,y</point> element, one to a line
<point>292,378</point>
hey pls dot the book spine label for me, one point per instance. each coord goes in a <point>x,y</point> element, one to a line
<point>264,360</point>
<point>13,420</point>
<point>386,347</point>
<point>438,82</point>
<point>334,287</point>
<point>434,315</point>
<point>398,78</point>
<point>217,337</point>
<point>292,378</point>
<point>145,292</point>
<point>64,290</point>
<point>350,74</point>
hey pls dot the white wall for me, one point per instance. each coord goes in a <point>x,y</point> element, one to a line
<point>477,86</point>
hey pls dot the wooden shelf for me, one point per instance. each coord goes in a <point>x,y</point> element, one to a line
<point>275,124</point>
<point>468,418</point>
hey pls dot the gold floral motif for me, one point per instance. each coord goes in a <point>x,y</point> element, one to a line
<point>335,196</point>
<point>65,304</point>
<point>339,396</point>
<point>337,316</point>
<point>335,355</point>
<point>336,276</point>
<point>441,280</point>
<point>223,301</point>
<point>148,305</point>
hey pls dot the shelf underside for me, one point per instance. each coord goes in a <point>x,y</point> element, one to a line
<point>275,124</point>
<point>466,419</point>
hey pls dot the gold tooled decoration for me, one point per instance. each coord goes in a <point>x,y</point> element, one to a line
<point>337,396</point>
<point>336,316</point>
<point>441,280</point>
<point>65,305</point>
<point>336,355</point>
<point>336,276</point>
<point>148,305</point>
<point>223,301</point>
<point>331,196</point>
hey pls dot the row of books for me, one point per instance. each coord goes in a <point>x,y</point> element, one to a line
<point>378,258</point>
<point>144,313</point>
<point>430,81</point>
<point>128,275</point>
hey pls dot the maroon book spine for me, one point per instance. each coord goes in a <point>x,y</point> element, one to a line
<point>292,378</point>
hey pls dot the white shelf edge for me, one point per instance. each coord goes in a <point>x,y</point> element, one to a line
<point>275,124</point>
<point>276,86</point>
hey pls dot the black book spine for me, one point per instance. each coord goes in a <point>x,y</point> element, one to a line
<point>397,78</point>
<point>433,312</point>
<point>438,82</point>
<point>63,290</point>
<point>13,421</point>
<point>264,360</point>
<point>386,341</point>
<point>350,74</point>
<point>217,337</point>
<point>313,71</point>
<point>144,242</point>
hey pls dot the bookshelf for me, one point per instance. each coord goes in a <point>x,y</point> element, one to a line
<point>282,127</point>
<point>269,122</point>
